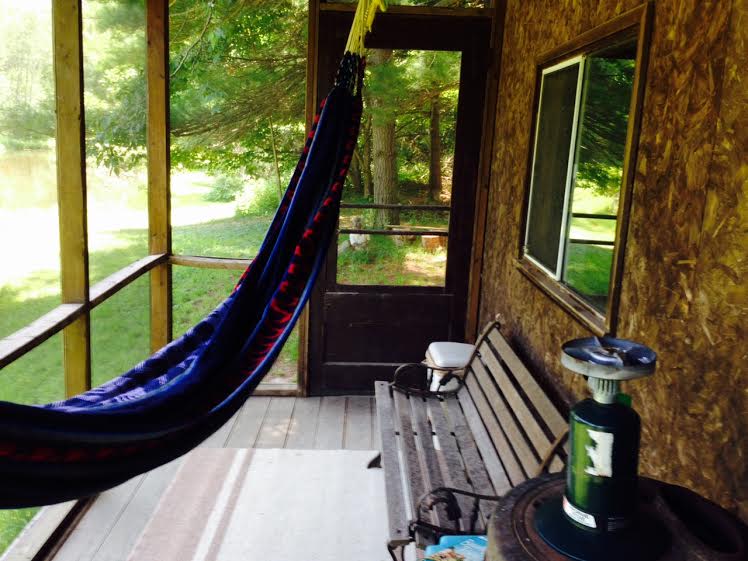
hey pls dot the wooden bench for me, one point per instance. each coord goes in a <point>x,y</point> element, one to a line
<point>446,455</point>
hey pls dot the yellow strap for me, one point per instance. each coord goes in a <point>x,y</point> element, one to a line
<point>366,11</point>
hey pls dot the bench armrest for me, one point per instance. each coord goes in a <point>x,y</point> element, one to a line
<point>416,377</point>
<point>447,496</point>
<point>412,376</point>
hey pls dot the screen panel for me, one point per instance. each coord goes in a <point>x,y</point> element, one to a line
<point>551,165</point>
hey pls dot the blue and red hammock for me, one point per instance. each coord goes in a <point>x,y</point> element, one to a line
<point>175,399</point>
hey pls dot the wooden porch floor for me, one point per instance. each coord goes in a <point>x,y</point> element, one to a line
<point>110,528</point>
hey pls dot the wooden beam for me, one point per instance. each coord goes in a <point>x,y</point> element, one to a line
<point>49,529</point>
<point>312,74</point>
<point>159,195</point>
<point>484,177</point>
<point>71,188</point>
<point>210,262</point>
<point>22,341</point>
<point>425,11</point>
<point>119,280</point>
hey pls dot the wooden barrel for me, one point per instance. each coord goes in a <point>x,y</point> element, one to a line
<point>698,529</point>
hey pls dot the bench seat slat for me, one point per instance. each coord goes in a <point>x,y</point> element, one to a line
<point>415,478</point>
<point>529,385</point>
<point>454,475</point>
<point>500,408</point>
<point>429,460</point>
<point>397,515</point>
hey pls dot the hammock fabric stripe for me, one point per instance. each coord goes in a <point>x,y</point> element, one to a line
<point>172,401</point>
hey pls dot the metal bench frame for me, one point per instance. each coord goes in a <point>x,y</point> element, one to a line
<point>448,455</point>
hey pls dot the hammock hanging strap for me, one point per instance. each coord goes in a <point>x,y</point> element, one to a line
<point>362,24</point>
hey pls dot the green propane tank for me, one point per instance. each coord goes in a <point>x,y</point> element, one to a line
<point>601,480</point>
<point>597,518</point>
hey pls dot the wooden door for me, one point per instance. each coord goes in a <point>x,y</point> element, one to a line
<point>360,331</point>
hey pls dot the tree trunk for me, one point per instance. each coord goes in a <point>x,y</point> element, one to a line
<point>383,153</point>
<point>275,159</point>
<point>368,192</point>
<point>355,171</point>
<point>435,165</point>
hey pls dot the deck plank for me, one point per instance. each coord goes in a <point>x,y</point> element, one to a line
<point>275,425</point>
<point>94,528</point>
<point>330,426</point>
<point>247,426</point>
<point>115,520</point>
<point>303,427</point>
<point>358,434</point>
<point>124,534</point>
<point>218,439</point>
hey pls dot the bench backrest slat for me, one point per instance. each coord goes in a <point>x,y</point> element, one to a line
<point>515,437</point>
<point>529,385</point>
<point>486,417</point>
<point>519,419</point>
<point>537,436</point>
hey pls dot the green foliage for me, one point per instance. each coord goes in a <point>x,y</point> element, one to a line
<point>603,135</point>
<point>115,85</point>
<point>11,524</point>
<point>225,189</point>
<point>235,67</point>
<point>260,198</point>
<point>27,119</point>
<point>379,248</point>
<point>588,272</point>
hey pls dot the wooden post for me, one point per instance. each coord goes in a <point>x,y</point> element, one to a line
<point>159,195</point>
<point>311,109</point>
<point>71,188</point>
<point>484,178</point>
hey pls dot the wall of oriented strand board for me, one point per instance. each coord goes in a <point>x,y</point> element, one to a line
<point>684,288</point>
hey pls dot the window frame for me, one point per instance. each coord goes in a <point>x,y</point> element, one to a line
<point>580,60</point>
<point>634,24</point>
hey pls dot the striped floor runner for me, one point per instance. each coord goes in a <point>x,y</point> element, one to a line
<point>270,504</point>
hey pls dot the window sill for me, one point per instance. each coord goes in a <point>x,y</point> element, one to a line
<point>566,298</point>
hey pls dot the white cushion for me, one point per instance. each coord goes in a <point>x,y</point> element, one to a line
<point>444,354</point>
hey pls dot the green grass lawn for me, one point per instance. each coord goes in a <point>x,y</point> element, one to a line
<point>382,262</point>
<point>119,326</point>
<point>588,266</point>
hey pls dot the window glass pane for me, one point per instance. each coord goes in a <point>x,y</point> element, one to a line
<point>405,157</point>
<point>30,274</point>
<point>237,91</point>
<point>550,167</point>
<point>120,332</point>
<point>599,172</point>
<point>198,291</point>
<point>114,72</point>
